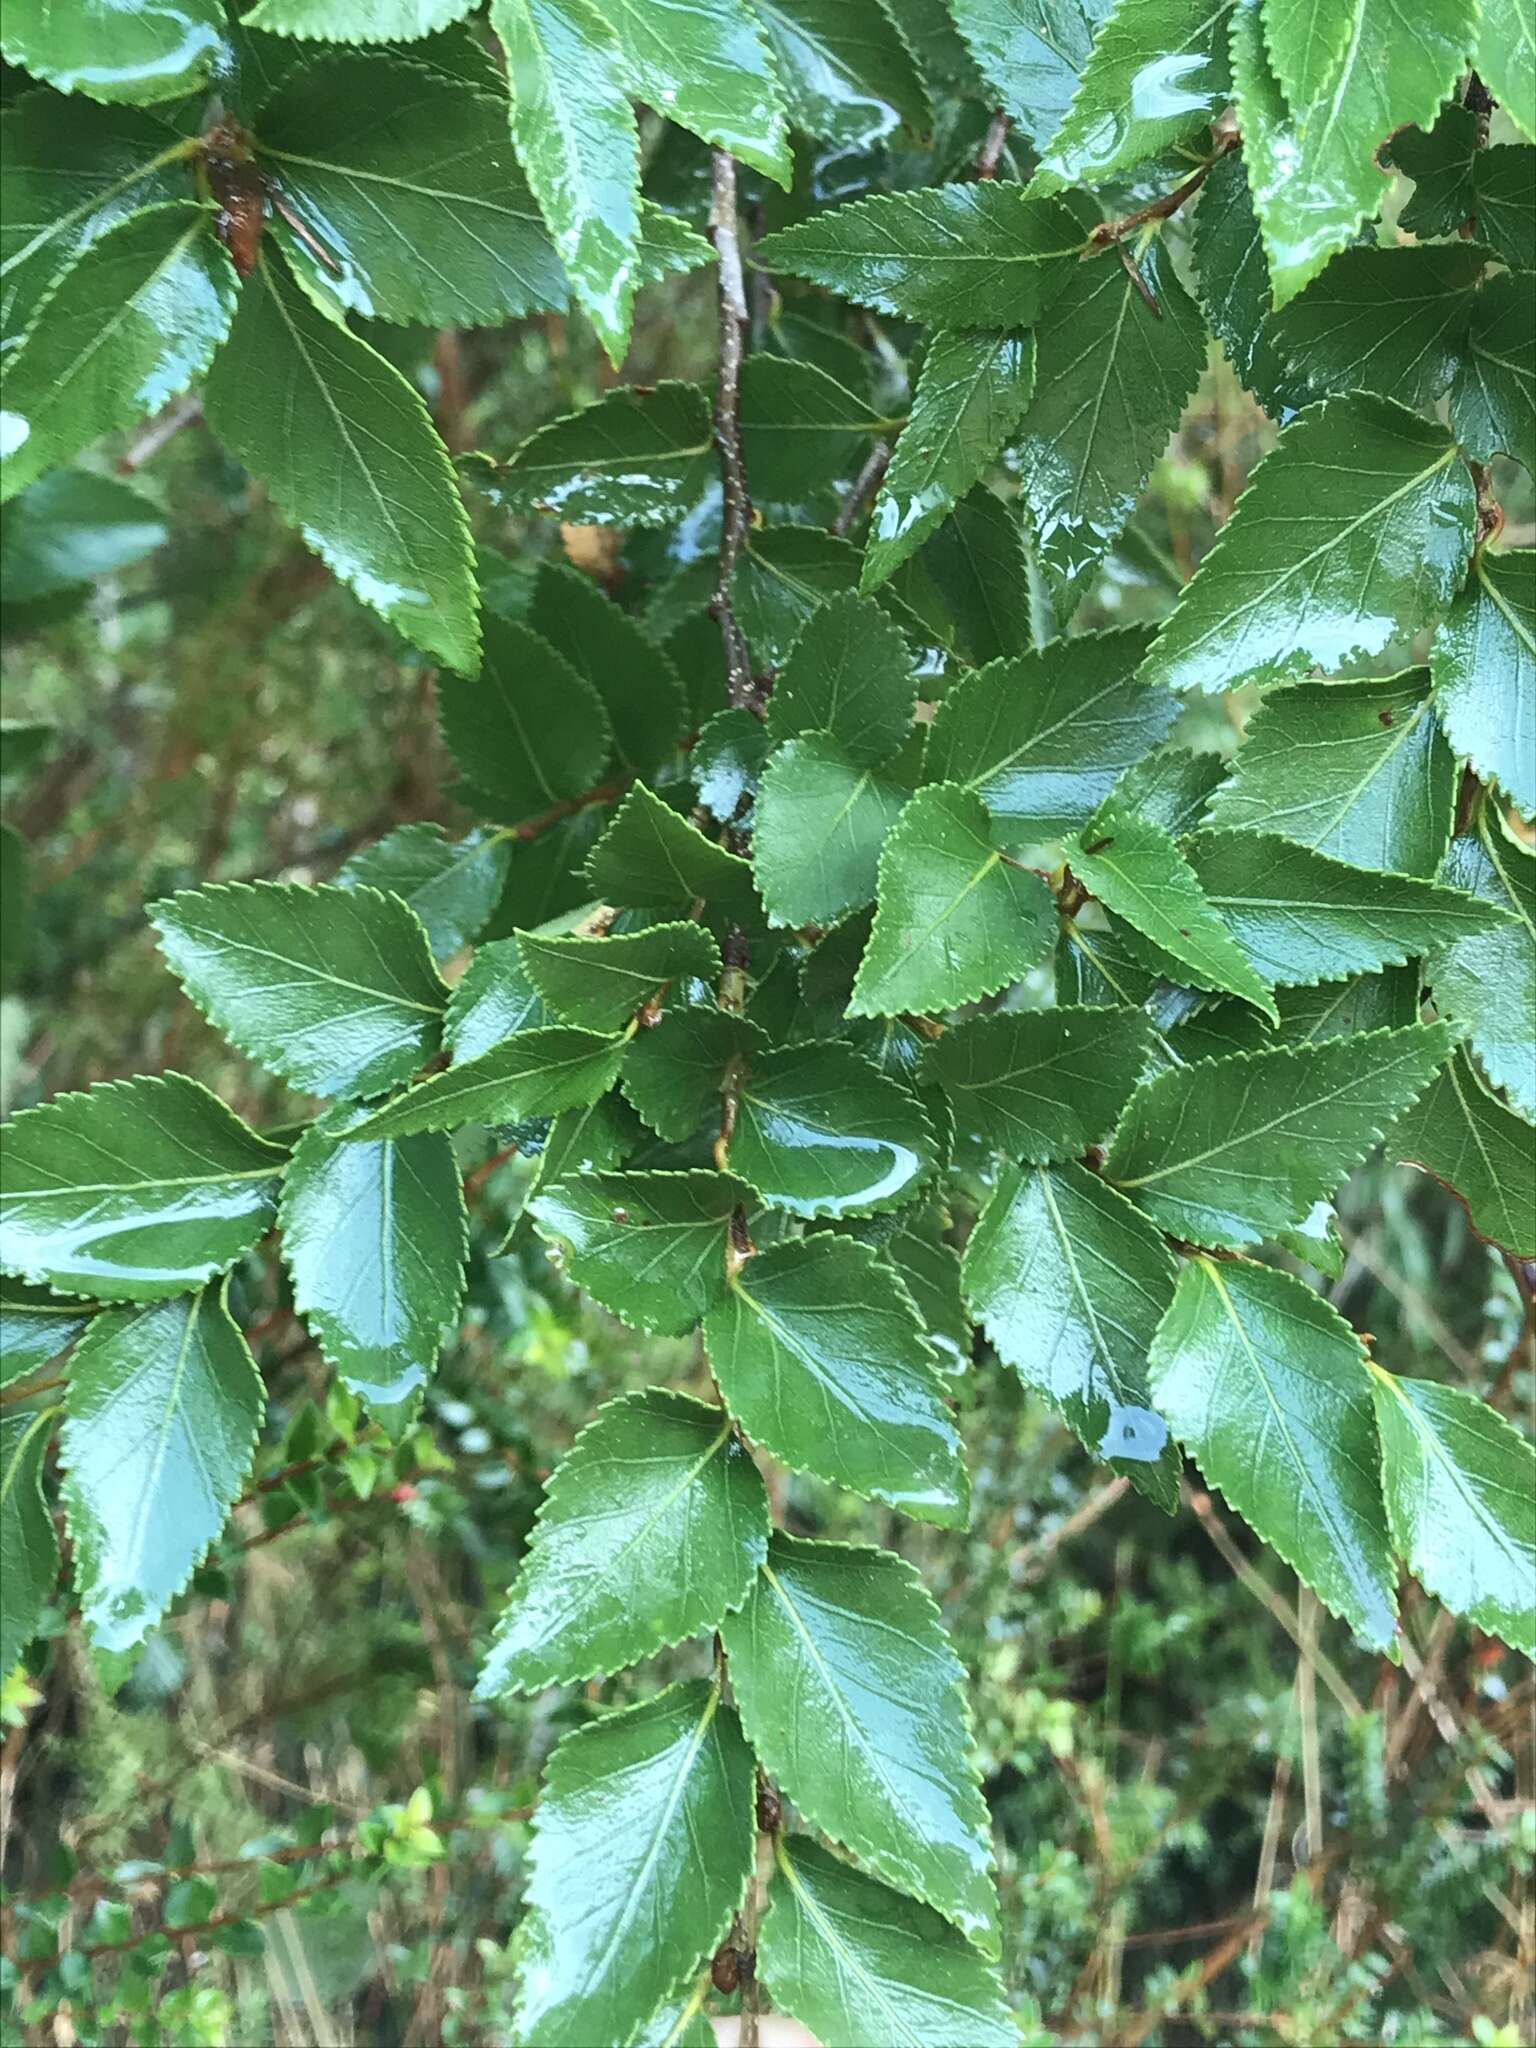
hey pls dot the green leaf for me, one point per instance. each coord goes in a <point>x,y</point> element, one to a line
<point>929,1269</point>
<point>1300,917</point>
<point>1266,1387</point>
<point>956,920</point>
<point>726,762</point>
<point>709,70</point>
<point>640,1856</point>
<point>651,1529</point>
<point>636,458</point>
<point>676,1071</point>
<point>1493,397</point>
<point>1483,662</point>
<point>847,75</point>
<point>858,1962</point>
<point>1156,76</point>
<point>1354,532</point>
<point>1329,1009</point>
<point>642,692</point>
<point>345,448</point>
<point>492,999</point>
<point>978,255</point>
<point>1227,1151</point>
<point>821,820</point>
<point>133,1190</point>
<point>418,200</point>
<point>651,1247</point>
<point>27,1538</point>
<point>1506,219</point>
<point>1069,1281</point>
<point>820,1132</point>
<point>1358,771</point>
<point>848,675</point>
<point>589,1139</point>
<point>69,528</point>
<point>112,52</point>
<point>1313,168</point>
<point>1306,46</point>
<point>375,1238</point>
<point>978,565</point>
<point>73,170</point>
<point>1043,737</point>
<point>1232,273</point>
<point>576,139</point>
<point>528,731</point>
<point>1487,982</point>
<point>800,428</point>
<point>1032,53</point>
<point>851,1696</point>
<point>1041,1084</point>
<point>1505,57</point>
<point>1386,320</point>
<point>1170,787</point>
<point>784,573</point>
<point>1480,1150</point>
<point>1132,865</point>
<point>601,983</point>
<point>652,859</point>
<point>1440,162</point>
<point>537,1073</point>
<point>971,393</point>
<point>356,21</point>
<point>135,320</point>
<point>679,2022</point>
<point>160,1422</point>
<point>1114,378</point>
<point>453,885</point>
<point>332,988</point>
<point>1459,1482</point>
<point>820,1352</point>
<point>35,1326</point>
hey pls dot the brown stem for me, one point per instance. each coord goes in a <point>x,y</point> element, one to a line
<point>736,508</point>
<point>1160,209</point>
<point>864,486</point>
<point>23,1390</point>
<point>599,793</point>
<point>991,149</point>
<point>166,424</point>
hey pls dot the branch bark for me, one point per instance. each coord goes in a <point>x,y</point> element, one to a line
<point>736,509</point>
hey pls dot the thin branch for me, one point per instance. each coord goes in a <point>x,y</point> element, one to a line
<point>991,150</point>
<point>1160,209</point>
<point>183,412</point>
<point>736,508</point>
<point>864,486</point>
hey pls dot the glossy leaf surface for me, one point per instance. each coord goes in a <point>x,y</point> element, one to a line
<point>676,1071</point>
<point>1156,75</point>
<point>107,51</point>
<point>649,1246</point>
<point>452,885</point>
<point>821,821</point>
<point>1042,1084</point>
<point>537,1073</point>
<point>846,71</point>
<point>654,859</point>
<point>820,1132</point>
<point>651,1529</point>
<point>1469,1141</point>
<point>709,69</point>
<point>1487,982</point>
<point>636,458</point>
<point>599,983</point>
<point>1483,662</point>
<point>848,675</point>
<point>528,731</point>
<point>27,1535</point>
<point>1032,52</point>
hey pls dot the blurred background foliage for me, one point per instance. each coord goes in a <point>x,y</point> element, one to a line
<point>1217,1821</point>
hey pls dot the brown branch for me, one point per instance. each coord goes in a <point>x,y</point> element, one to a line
<point>864,486</point>
<point>23,1390</point>
<point>736,506</point>
<point>599,793</point>
<point>1160,209</point>
<point>165,426</point>
<point>991,149</point>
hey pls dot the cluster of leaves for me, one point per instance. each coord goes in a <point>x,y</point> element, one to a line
<point>928,936</point>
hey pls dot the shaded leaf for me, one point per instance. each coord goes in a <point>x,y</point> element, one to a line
<point>1488,980</point>
<point>800,428</point>
<point>652,859</point>
<point>528,731</point>
<point>642,692</point>
<point>636,458</point>
<point>69,528</point>
<point>537,1073</point>
<point>848,675</point>
<point>453,885</point>
<point>1032,53</point>
<point>1493,396</point>
<point>35,1326</point>
<point>676,1071</point>
<point>846,74</point>
<point>27,1537</point>
<point>1041,1084</point>
<point>820,1132</point>
<point>649,1246</point>
<point>1386,320</point>
<point>600,983</point>
<point>1483,662</point>
<point>1482,1151</point>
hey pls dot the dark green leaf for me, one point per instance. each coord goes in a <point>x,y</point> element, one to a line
<point>590,1138</point>
<point>161,1418</point>
<point>35,1326</point>
<point>345,447</point>
<point>727,761</point>
<point>1493,397</point>
<point>820,1132</point>
<point>859,1962</point>
<point>332,988</point>
<point>800,428</point>
<point>1041,1084</point>
<point>1156,76</point>
<point>453,885</point>
<point>1329,1009</point>
<point>1069,1282</point>
<point>851,1696</point>
<point>528,731</point>
<point>1355,531</point>
<point>848,675</point>
<point>970,394</point>
<point>27,1536</point>
<point>820,1352</point>
<point>374,1238</point>
<point>642,692</point>
<point>847,76</point>
<point>1487,982</point>
<point>652,859</point>
<point>636,458</point>
<point>492,1000</point>
<point>112,52</point>
<point>957,919</point>
<point>1484,666</point>
<point>1113,379</point>
<point>1233,278</point>
<point>69,528</point>
<point>1266,1386</point>
<point>709,70</point>
<point>416,195</point>
<point>1387,320</point>
<point>600,983</point>
<point>1170,787</point>
<point>1032,53</point>
<point>577,141</point>
<point>537,1073</point>
<point>1227,1151</point>
<point>979,255</point>
<point>653,1526</point>
<point>676,1071</point>
<point>640,1857</point>
<point>978,564</point>
<point>821,820</point>
<point>1358,771</point>
<point>1477,1148</point>
<point>1459,1483</point>
<point>134,1190</point>
<point>1043,737</point>
<point>649,1246</point>
<point>1506,218</point>
<point>136,319</point>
